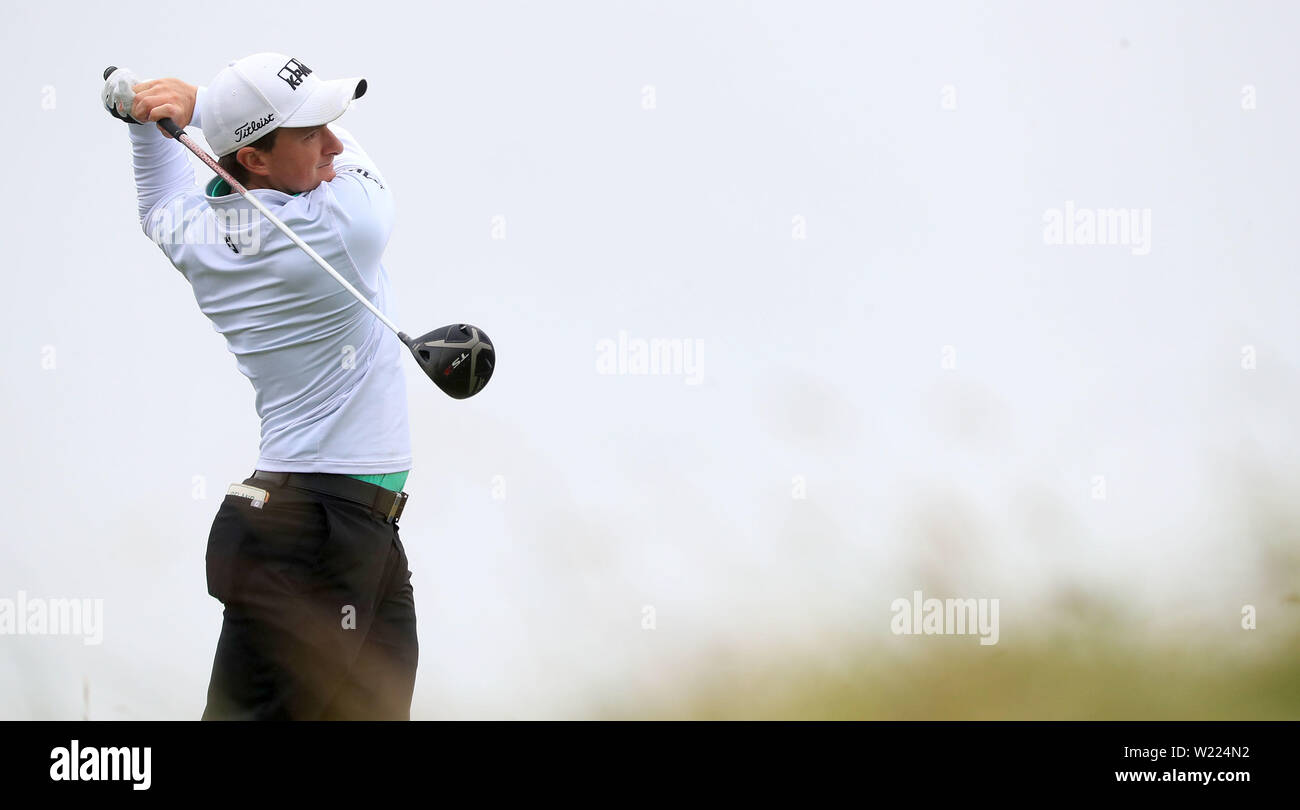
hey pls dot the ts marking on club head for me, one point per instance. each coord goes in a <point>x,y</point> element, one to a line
<point>473,352</point>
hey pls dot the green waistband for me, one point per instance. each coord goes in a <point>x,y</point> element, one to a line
<point>394,481</point>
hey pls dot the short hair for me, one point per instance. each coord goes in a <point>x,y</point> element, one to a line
<point>236,169</point>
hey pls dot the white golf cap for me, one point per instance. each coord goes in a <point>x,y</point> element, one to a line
<point>259,93</point>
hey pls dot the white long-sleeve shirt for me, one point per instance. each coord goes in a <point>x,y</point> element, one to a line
<point>329,385</point>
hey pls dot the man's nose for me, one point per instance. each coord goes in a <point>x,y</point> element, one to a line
<point>335,146</point>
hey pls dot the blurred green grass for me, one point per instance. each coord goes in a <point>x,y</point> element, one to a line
<point>1098,672</point>
<point>1092,651</point>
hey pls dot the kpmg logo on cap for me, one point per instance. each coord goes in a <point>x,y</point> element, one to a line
<point>294,72</point>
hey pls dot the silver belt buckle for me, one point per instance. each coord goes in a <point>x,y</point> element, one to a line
<point>399,503</point>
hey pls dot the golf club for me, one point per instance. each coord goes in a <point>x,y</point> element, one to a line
<point>441,353</point>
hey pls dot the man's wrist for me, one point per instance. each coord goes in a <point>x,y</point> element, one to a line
<point>196,120</point>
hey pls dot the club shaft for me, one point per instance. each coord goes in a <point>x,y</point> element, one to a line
<point>180,135</point>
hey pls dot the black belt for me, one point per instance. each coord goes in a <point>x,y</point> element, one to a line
<point>383,502</point>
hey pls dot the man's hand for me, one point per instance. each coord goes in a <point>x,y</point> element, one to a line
<point>157,99</point>
<point>141,102</point>
<point>117,94</point>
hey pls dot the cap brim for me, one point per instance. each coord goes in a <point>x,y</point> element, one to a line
<point>330,100</point>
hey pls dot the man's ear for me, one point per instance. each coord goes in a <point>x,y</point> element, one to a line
<point>254,161</point>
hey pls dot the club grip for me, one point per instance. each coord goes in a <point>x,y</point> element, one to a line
<point>166,123</point>
<point>170,125</point>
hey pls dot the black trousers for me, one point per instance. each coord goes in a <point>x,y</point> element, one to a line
<point>319,611</point>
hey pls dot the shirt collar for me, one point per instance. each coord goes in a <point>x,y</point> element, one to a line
<point>220,195</point>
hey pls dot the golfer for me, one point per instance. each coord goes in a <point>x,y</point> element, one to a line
<point>304,554</point>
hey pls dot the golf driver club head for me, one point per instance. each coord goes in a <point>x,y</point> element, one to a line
<point>458,358</point>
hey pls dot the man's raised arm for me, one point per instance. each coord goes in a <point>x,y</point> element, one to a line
<point>162,169</point>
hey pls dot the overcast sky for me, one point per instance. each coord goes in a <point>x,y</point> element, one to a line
<point>901,377</point>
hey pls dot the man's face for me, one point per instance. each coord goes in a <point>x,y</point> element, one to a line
<point>302,159</point>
